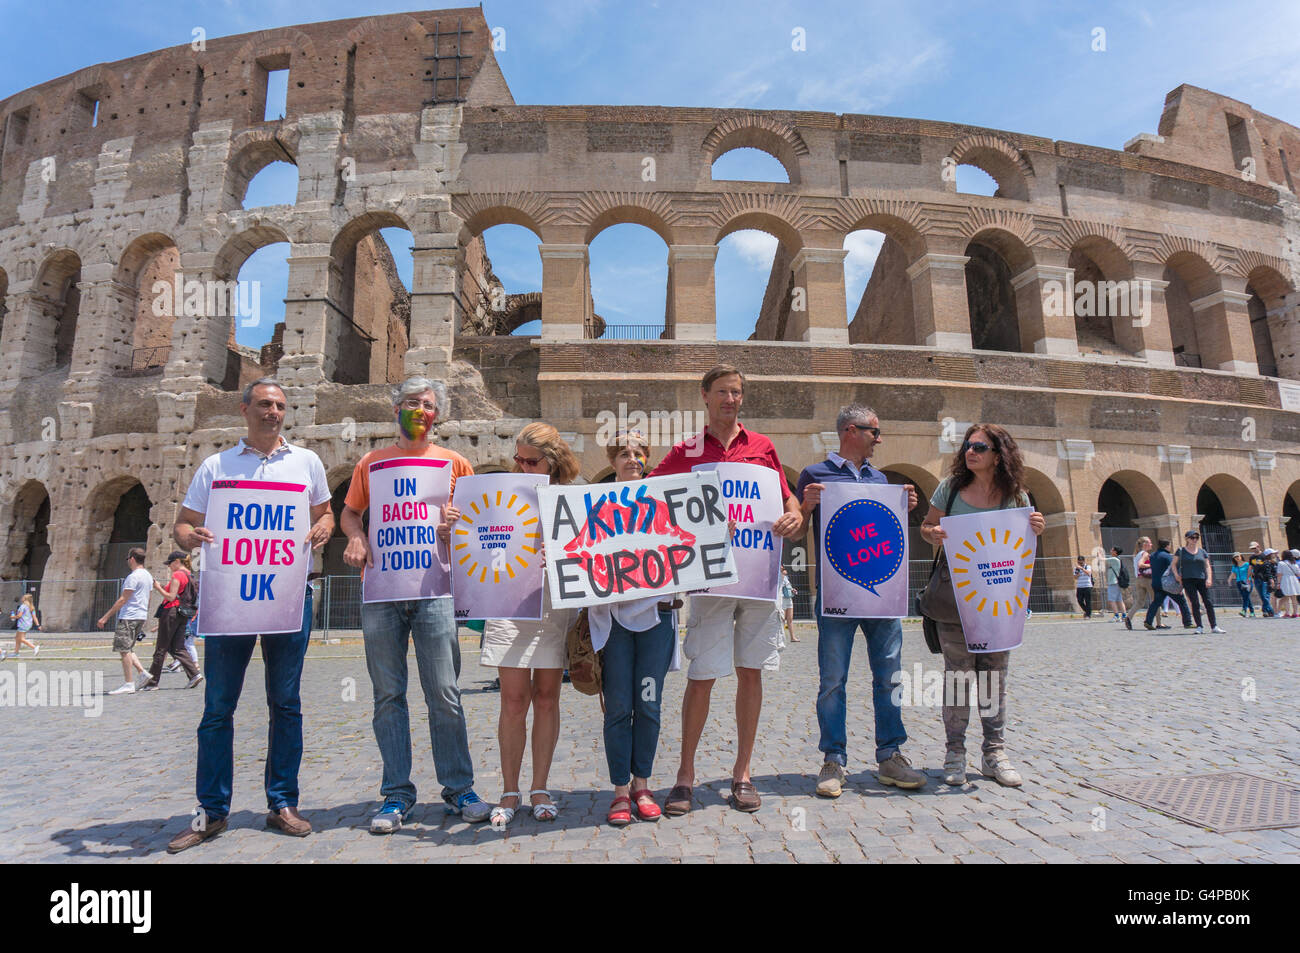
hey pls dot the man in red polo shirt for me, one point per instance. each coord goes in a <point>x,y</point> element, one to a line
<point>722,630</point>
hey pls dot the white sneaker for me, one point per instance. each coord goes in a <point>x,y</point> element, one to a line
<point>954,769</point>
<point>173,667</point>
<point>1219,630</point>
<point>126,688</point>
<point>195,680</point>
<point>141,680</point>
<point>998,767</point>
<point>36,651</point>
<point>1200,630</point>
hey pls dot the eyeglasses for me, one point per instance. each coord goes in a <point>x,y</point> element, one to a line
<point>414,403</point>
<point>979,446</point>
<point>528,461</point>
<point>874,431</point>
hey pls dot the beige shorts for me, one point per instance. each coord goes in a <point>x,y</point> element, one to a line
<point>519,643</point>
<point>722,631</point>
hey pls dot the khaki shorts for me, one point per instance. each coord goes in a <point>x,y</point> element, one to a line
<point>124,636</point>
<point>519,643</point>
<point>722,630</point>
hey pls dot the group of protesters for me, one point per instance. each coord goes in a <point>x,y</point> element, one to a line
<point>637,639</point>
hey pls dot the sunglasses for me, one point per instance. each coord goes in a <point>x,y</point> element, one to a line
<point>874,431</point>
<point>528,461</point>
<point>979,446</point>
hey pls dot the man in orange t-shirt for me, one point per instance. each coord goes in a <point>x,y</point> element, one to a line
<point>389,627</point>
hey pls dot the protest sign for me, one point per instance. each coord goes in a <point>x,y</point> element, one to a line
<point>751,495</point>
<point>991,556</point>
<point>863,561</point>
<point>621,541</point>
<point>496,547</point>
<point>406,499</point>
<point>253,576</point>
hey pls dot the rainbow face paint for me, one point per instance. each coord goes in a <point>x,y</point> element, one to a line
<point>414,424</point>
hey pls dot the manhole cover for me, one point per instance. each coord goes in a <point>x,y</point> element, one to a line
<point>1232,801</point>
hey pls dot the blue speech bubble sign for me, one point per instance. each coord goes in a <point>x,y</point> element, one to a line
<point>864,543</point>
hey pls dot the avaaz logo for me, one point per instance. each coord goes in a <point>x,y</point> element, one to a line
<point>77,906</point>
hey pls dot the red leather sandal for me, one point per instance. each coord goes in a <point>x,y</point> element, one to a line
<point>620,816</point>
<point>648,811</point>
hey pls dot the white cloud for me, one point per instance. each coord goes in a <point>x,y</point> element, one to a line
<point>756,249</point>
<point>863,248</point>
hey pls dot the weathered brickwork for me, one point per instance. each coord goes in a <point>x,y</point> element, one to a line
<point>127,175</point>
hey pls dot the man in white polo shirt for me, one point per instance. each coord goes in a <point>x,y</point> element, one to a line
<point>262,455</point>
<point>132,608</point>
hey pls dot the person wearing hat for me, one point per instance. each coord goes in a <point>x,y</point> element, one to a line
<point>1262,574</point>
<point>1192,568</point>
<point>171,627</point>
<point>1288,581</point>
<point>1160,561</point>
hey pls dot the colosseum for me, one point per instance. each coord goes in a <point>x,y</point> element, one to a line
<point>1182,410</point>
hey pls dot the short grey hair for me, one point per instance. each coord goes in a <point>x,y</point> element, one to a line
<point>261,382</point>
<point>414,386</point>
<point>852,413</point>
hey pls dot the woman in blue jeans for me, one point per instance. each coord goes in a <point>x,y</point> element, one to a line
<point>639,642</point>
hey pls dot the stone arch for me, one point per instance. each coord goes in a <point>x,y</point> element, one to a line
<point>55,305</point>
<point>1102,305</point>
<point>1221,500</point>
<point>1268,308</point>
<point>1147,496</point>
<point>884,314</point>
<point>1006,164</point>
<point>236,249</point>
<point>1192,278</point>
<point>225,361</point>
<point>648,323</point>
<point>143,318</point>
<point>773,319</point>
<point>115,509</point>
<point>1054,543</point>
<point>251,152</point>
<point>280,48</point>
<point>21,519</point>
<point>997,256</point>
<point>480,211</point>
<point>647,215</point>
<point>368,306</point>
<point>756,131</point>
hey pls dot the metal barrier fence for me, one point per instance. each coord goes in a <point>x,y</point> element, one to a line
<point>337,604</point>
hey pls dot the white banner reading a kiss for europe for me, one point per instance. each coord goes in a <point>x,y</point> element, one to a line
<point>253,578</point>
<point>496,547</point>
<point>406,499</point>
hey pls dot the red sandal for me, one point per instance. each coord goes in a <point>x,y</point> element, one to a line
<point>646,812</point>
<point>620,817</point>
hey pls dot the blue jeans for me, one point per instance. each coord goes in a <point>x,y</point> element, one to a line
<point>632,672</point>
<point>1243,590</point>
<point>389,628</point>
<point>1158,597</point>
<point>1265,596</point>
<point>227,660</point>
<point>834,649</point>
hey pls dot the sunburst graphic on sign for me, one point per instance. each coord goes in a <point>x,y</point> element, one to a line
<point>994,571</point>
<point>490,541</point>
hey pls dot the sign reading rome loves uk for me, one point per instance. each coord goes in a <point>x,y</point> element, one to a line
<point>991,556</point>
<point>614,542</point>
<point>253,578</point>
<point>863,561</point>
<point>406,499</point>
<point>752,496</point>
<point>496,547</point>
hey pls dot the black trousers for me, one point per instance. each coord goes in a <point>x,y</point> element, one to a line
<point>1085,601</point>
<point>1158,598</point>
<point>171,638</point>
<point>1196,593</point>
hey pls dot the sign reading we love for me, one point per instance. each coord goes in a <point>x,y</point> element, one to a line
<point>863,562</point>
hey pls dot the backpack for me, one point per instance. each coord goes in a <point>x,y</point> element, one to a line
<point>584,660</point>
<point>1122,580</point>
<point>189,597</point>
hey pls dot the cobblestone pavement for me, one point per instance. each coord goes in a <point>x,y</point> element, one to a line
<point>1085,698</point>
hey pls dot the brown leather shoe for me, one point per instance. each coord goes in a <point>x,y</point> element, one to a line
<point>189,837</point>
<point>679,801</point>
<point>289,821</point>
<point>744,797</point>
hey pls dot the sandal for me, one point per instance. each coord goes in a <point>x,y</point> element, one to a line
<point>544,812</point>
<point>649,810</point>
<point>502,816</point>
<point>620,816</point>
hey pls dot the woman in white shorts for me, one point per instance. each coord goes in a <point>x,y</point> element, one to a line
<point>530,656</point>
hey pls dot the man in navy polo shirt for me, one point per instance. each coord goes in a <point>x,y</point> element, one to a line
<point>859,431</point>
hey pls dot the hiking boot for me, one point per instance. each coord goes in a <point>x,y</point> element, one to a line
<point>954,768</point>
<point>899,772</point>
<point>998,767</point>
<point>830,782</point>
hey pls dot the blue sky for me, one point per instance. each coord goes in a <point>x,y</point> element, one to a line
<point>1023,66</point>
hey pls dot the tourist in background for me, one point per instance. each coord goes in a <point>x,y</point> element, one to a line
<point>1141,580</point>
<point>132,608</point>
<point>171,627</point>
<point>1192,568</point>
<point>1263,576</point>
<point>787,602</point>
<point>1241,576</point>
<point>529,656</point>
<point>1083,585</point>
<point>25,615</point>
<point>1288,581</point>
<point>1114,594</point>
<point>987,473</point>
<point>1160,561</point>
